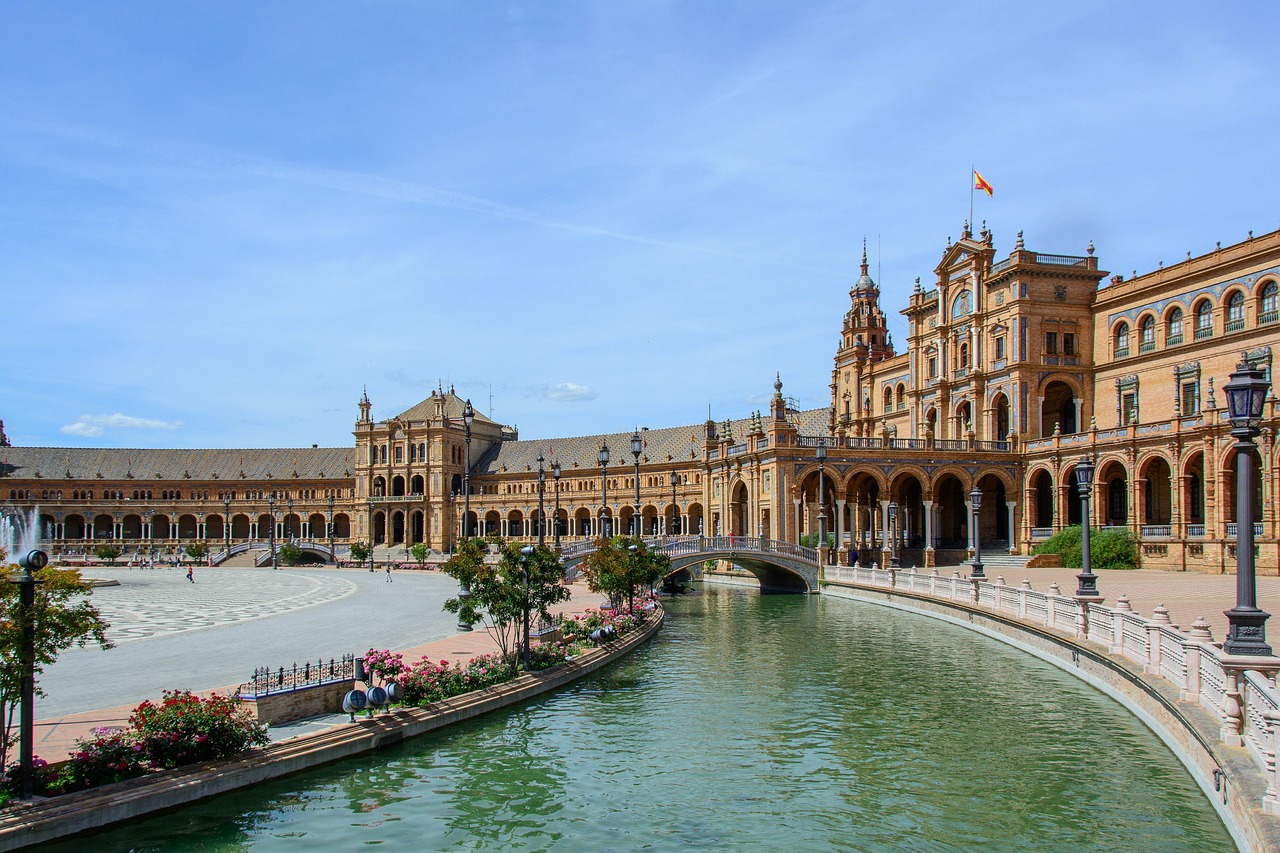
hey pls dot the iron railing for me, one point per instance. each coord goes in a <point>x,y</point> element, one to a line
<point>266,680</point>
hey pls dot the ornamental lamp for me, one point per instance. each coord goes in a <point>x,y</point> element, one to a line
<point>1246,394</point>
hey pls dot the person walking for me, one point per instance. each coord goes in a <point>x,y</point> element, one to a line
<point>389,573</point>
<point>191,572</point>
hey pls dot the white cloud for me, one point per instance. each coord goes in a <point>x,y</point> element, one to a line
<point>570,392</point>
<point>90,426</point>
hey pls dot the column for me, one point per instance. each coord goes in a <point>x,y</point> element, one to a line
<point>1080,425</point>
<point>1013,531</point>
<point>839,526</point>
<point>1060,514</point>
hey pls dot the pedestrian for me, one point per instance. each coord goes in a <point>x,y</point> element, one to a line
<point>389,573</point>
<point>191,572</point>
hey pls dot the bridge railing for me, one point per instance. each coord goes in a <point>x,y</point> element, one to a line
<point>1240,694</point>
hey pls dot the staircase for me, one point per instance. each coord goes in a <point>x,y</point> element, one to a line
<point>996,560</point>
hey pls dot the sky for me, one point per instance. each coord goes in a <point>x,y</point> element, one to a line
<point>220,222</point>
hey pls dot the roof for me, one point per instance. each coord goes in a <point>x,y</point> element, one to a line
<point>453,404</point>
<point>85,463</point>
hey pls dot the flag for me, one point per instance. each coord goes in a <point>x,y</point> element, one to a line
<point>980,183</point>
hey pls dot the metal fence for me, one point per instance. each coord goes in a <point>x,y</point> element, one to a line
<point>266,680</point>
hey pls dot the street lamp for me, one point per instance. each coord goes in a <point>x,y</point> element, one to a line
<point>893,530</point>
<point>468,415</point>
<point>821,454</point>
<point>975,498</point>
<point>603,457</point>
<point>1084,482</point>
<point>226,520</point>
<point>637,523</point>
<point>151,536</point>
<point>372,542</point>
<point>288,515</point>
<point>555,522</point>
<point>1246,395</point>
<point>542,516</point>
<point>31,562</point>
<point>331,551</point>
<point>675,509</point>
<point>525,553</point>
<point>271,530</point>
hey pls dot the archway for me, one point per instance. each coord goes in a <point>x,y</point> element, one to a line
<point>950,502</point>
<point>1193,490</point>
<point>1157,492</point>
<point>131,527</point>
<point>1042,484</point>
<point>240,526</point>
<point>739,507</point>
<point>379,528</point>
<point>1058,409</point>
<point>1002,419</point>
<point>342,526</point>
<point>397,528</point>
<point>1116,489</point>
<point>397,486</point>
<point>417,527</point>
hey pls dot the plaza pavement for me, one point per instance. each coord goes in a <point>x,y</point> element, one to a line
<point>209,636</point>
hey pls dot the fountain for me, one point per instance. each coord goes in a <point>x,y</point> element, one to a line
<point>18,533</point>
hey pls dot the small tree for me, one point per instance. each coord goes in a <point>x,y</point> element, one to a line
<point>107,552</point>
<point>420,552</point>
<point>63,618</point>
<point>360,551</point>
<point>197,551</point>
<point>291,554</point>
<point>618,572</point>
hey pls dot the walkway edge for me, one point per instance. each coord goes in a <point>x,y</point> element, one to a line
<point>1184,727</point>
<point>27,824</point>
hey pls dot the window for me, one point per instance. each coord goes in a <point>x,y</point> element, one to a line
<point>1000,349</point>
<point>1122,339</point>
<point>964,356</point>
<point>888,399</point>
<point>933,367</point>
<point>1204,320</point>
<point>1147,334</point>
<point>1173,332</point>
<point>399,453</point>
<point>1069,343</point>
<point>902,397</point>
<point>1129,408</point>
<point>1190,399</point>
<point>1268,314</point>
<point>1235,312</point>
<point>1051,343</point>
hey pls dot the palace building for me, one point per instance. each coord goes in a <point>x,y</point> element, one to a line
<point>1014,370</point>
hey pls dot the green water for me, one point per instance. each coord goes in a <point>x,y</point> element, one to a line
<point>754,723</point>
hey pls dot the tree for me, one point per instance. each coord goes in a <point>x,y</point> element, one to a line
<point>63,618</point>
<point>291,554</point>
<point>615,570</point>
<point>420,552</point>
<point>197,551</point>
<point>502,596</point>
<point>107,552</point>
<point>360,551</point>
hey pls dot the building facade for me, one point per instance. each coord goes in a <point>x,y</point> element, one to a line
<point>1014,369</point>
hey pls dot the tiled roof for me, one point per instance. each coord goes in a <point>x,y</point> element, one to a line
<point>452,409</point>
<point>683,443</point>
<point>284,463</point>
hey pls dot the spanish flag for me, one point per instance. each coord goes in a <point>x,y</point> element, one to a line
<point>980,183</point>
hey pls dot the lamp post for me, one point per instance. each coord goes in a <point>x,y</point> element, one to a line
<point>31,562</point>
<point>525,553</point>
<point>468,415</point>
<point>893,531</point>
<point>821,454</point>
<point>271,530</point>
<point>542,516</point>
<point>331,551</point>
<point>975,498</point>
<point>637,523</point>
<point>1084,482</point>
<point>226,521</point>
<point>1246,395</point>
<point>371,540</point>
<point>555,521</point>
<point>288,515</point>
<point>151,536</point>
<point>675,509</point>
<point>603,458</point>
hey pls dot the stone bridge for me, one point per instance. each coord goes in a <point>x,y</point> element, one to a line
<point>264,557</point>
<point>779,566</point>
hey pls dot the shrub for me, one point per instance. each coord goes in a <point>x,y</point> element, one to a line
<point>1108,549</point>
<point>384,664</point>
<point>107,552</point>
<point>109,756</point>
<point>429,681</point>
<point>185,728</point>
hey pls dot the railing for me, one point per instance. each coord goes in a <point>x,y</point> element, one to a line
<point>1268,317</point>
<point>1122,352</point>
<point>961,372</point>
<point>713,453</point>
<point>1041,532</point>
<point>908,444</point>
<point>1147,346</point>
<point>1233,530</point>
<point>950,444</point>
<point>1000,266</point>
<point>1173,340</point>
<point>737,450</point>
<point>1000,446</point>
<point>1157,531</point>
<point>1062,260</point>
<point>1234,325</point>
<point>929,295</point>
<point>266,681</point>
<point>1195,531</point>
<point>1206,332</point>
<point>1243,701</point>
<point>386,499</point>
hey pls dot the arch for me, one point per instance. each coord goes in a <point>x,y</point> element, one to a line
<point>215,527</point>
<point>951,507</point>
<point>739,507</point>
<point>649,519</point>
<point>265,526</point>
<point>73,526</point>
<point>1120,339</point>
<point>695,515</point>
<point>492,523</point>
<point>1058,407</point>
<point>131,527</point>
<point>397,528</point>
<point>907,491</point>
<point>1114,477</point>
<point>1042,498</point>
<point>888,399</point>
<point>1234,314</point>
<point>582,521</point>
<point>316,527</point>
<point>239,526</point>
<point>931,420</point>
<point>1173,321</point>
<point>161,526</point>
<point>1232,486</point>
<point>1075,504</point>
<point>1203,311</point>
<point>1192,488</point>
<point>1268,302</point>
<point>379,487</point>
<point>342,526</point>
<point>515,523</point>
<point>964,417</point>
<point>1157,489</point>
<point>417,485</point>
<point>397,486</point>
<point>417,527</point>
<point>993,515</point>
<point>1147,333</point>
<point>1002,416</point>
<point>379,528</point>
<point>291,526</point>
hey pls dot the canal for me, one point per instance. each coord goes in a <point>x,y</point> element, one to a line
<point>757,723</point>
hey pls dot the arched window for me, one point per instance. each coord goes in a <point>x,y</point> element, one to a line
<point>1122,340</point>
<point>1235,311</point>
<point>1269,314</point>
<point>964,356</point>
<point>962,305</point>
<point>888,399</point>
<point>902,396</point>
<point>1204,320</point>
<point>1147,331</point>
<point>1173,331</point>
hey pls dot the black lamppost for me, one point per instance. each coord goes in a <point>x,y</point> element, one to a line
<point>1084,482</point>
<point>675,509</point>
<point>151,536</point>
<point>331,551</point>
<point>31,562</point>
<point>893,531</point>
<point>555,521</point>
<point>638,523</point>
<point>821,454</point>
<point>288,515</point>
<point>371,535</point>
<point>525,553</point>
<point>468,415</point>
<point>603,458</point>
<point>226,520</point>
<point>975,498</point>
<point>542,516</point>
<point>1246,395</point>
<point>271,530</point>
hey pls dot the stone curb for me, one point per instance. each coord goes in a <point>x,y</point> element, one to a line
<point>27,824</point>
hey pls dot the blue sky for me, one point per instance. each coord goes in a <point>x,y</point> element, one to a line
<point>220,221</point>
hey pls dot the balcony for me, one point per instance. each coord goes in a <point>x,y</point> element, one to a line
<point>1232,529</point>
<point>1235,325</point>
<point>1204,333</point>
<point>1147,346</point>
<point>1195,531</point>
<point>1122,352</point>
<point>1157,531</point>
<point>1268,317</point>
<point>1173,340</point>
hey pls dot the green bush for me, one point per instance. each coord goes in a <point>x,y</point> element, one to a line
<point>107,552</point>
<point>1108,549</point>
<point>184,728</point>
<point>811,541</point>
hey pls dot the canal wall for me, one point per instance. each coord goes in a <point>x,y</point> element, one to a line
<point>27,824</point>
<point>1227,775</point>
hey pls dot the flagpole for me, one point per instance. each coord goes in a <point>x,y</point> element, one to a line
<point>972,171</point>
